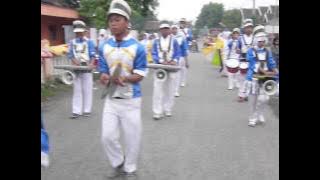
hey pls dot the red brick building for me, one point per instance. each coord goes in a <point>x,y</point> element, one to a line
<point>53,18</point>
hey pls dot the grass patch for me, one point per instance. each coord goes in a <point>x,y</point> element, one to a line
<point>50,89</point>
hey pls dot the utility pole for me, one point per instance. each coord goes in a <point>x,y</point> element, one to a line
<point>254,7</point>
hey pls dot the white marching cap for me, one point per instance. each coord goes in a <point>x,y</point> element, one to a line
<point>120,7</point>
<point>102,32</point>
<point>247,25</point>
<point>258,28</point>
<point>236,30</point>
<point>248,21</point>
<point>164,25</point>
<point>174,26</point>
<point>260,36</point>
<point>183,20</point>
<point>79,26</point>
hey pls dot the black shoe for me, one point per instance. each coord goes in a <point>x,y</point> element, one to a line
<point>130,175</point>
<point>115,172</point>
<point>86,114</point>
<point>74,116</point>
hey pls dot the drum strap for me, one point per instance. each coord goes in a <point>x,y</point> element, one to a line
<point>256,53</point>
<point>257,57</point>
<point>169,48</point>
<point>245,43</point>
<point>230,48</point>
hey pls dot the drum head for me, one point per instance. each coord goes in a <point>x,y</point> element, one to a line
<point>232,63</point>
<point>243,65</point>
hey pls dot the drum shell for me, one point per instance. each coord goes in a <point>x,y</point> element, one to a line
<point>232,65</point>
<point>243,67</point>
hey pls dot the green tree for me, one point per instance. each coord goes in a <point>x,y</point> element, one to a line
<point>211,15</point>
<point>232,18</point>
<point>94,11</point>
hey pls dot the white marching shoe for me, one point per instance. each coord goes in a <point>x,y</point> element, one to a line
<point>168,113</point>
<point>45,160</point>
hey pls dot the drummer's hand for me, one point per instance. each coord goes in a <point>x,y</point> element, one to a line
<point>270,73</point>
<point>172,63</point>
<point>92,66</point>
<point>75,62</point>
<point>104,79</point>
<point>165,63</point>
<point>119,80</point>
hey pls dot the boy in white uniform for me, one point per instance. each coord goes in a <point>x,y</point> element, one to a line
<point>122,108</point>
<point>82,52</point>
<point>165,51</point>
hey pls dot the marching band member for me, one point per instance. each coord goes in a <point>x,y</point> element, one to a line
<point>246,42</point>
<point>233,52</point>
<point>103,36</point>
<point>123,107</point>
<point>165,51</point>
<point>260,63</point>
<point>82,52</point>
<point>44,146</point>
<point>187,33</point>
<point>185,30</point>
<point>144,40</point>
<point>183,49</point>
<point>225,36</point>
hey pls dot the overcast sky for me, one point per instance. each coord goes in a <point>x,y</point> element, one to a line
<point>190,9</point>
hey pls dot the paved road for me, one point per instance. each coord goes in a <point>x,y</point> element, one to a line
<point>207,138</point>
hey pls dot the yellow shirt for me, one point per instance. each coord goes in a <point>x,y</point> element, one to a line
<point>149,48</point>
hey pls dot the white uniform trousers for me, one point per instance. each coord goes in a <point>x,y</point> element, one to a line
<point>257,104</point>
<point>181,75</point>
<point>82,93</point>
<point>233,80</point>
<point>163,94</point>
<point>224,70</point>
<point>242,86</point>
<point>124,113</point>
<point>183,71</point>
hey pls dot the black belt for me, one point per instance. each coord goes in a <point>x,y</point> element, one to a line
<point>82,71</point>
<point>118,98</point>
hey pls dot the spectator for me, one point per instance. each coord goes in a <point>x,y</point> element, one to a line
<point>275,50</point>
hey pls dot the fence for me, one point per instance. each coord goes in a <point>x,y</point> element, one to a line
<point>57,60</point>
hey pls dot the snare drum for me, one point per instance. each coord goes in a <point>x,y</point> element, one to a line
<point>243,67</point>
<point>232,65</point>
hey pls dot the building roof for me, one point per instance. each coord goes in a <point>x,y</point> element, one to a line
<point>263,9</point>
<point>274,22</point>
<point>248,13</point>
<point>62,3</point>
<point>275,10</point>
<point>56,11</point>
<point>263,14</point>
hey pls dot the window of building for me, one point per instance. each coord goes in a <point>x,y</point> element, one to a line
<point>53,31</point>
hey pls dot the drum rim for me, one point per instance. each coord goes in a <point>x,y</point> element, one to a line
<point>232,60</point>
<point>242,64</point>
